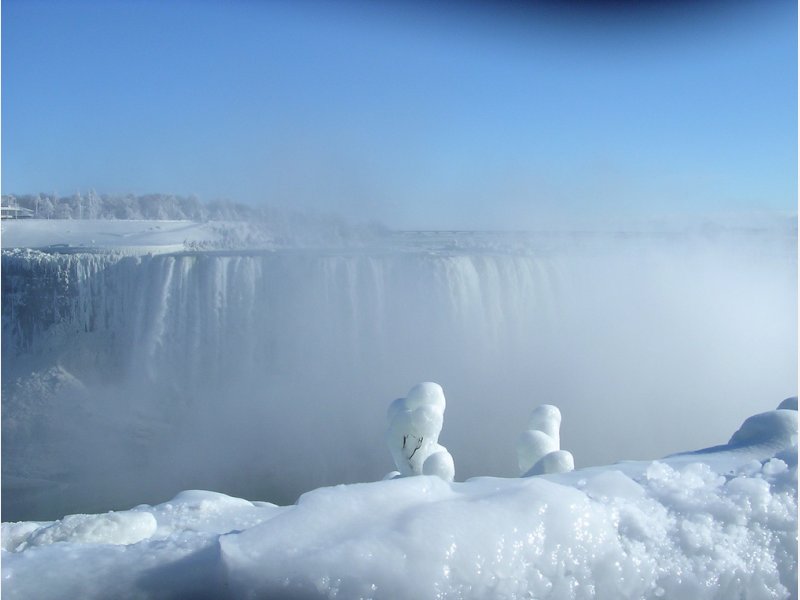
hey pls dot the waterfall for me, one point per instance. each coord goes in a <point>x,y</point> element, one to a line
<point>265,374</point>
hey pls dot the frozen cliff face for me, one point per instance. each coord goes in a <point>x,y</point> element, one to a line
<point>222,361</point>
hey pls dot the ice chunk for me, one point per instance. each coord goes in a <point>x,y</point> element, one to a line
<point>119,528</point>
<point>14,534</point>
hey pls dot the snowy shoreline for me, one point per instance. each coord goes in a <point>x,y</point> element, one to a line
<point>69,236</point>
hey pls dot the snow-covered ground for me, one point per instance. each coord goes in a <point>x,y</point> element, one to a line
<point>129,236</point>
<point>715,523</point>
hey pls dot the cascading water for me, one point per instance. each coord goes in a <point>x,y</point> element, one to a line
<point>267,373</point>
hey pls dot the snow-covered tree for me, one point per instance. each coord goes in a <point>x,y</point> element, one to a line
<point>92,205</point>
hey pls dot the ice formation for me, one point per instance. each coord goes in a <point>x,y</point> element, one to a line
<point>780,425</point>
<point>538,448</point>
<point>413,433</point>
<point>559,461</point>
<point>116,528</point>
<point>717,523</point>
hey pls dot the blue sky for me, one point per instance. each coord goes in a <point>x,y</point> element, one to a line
<point>460,116</point>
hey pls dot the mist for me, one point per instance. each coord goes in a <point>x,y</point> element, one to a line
<point>264,374</point>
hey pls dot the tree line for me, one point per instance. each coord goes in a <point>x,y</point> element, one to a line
<point>128,206</point>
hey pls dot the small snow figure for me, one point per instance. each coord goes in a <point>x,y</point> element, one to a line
<point>413,434</point>
<point>538,448</point>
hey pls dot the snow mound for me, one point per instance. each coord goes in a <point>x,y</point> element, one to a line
<point>118,528</point>
<point>718,523</point>
<point>203,501</point>
<point>685,532</point>
<point>774,428</point>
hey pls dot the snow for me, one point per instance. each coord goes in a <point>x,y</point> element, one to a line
<point>139,236</point>
<point>558,461</point>
<point>714,523</point>
<point>415,423</point>
<point>532,446</point>
<point>130,236</point>
<point>111,528</point>
<point>440,463</point>
<point>538,448</point>
<point>778,426</point>
<point>547,419</point>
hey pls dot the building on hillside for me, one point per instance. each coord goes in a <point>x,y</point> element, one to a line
<point>15,212</point>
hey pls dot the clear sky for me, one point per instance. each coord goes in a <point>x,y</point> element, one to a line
<point>467,115</point>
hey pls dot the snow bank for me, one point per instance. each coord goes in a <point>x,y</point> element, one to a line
<point>111,528</point>
<point>128,236</point>
<point>716,523</point>
<point>141,236</point>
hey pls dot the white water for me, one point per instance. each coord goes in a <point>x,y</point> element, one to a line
<point>265,374</point>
